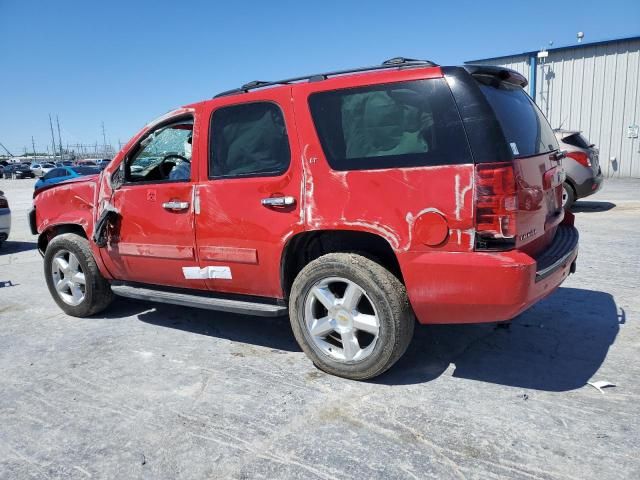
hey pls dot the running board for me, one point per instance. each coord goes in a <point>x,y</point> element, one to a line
<point>199,301</point>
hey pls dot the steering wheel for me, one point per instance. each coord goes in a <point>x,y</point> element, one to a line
<point>161,165</point>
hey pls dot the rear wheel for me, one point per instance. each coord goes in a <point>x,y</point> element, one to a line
<point>568,196</point>
<point>350,315</point>
<point>73,278</point>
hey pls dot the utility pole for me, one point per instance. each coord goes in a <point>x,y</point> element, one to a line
<point>53,140</point>
<point>33,144</point>
<point>59,137</point>
<point>104,141</point>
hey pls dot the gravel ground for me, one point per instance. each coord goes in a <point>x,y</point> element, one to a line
<point>155,391</point>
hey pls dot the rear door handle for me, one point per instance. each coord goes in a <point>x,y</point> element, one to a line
<point>278,201</point>
<point>175,205</point>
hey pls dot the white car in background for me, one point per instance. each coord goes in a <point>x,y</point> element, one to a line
<point>5,218</point>
<point>41,169</point>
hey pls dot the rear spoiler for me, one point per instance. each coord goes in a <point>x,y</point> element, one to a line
<point>503,74</point>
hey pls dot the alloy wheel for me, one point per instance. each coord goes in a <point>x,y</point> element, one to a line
<point>565,195</point>
<point>68,277</point>
<point>341,320</point>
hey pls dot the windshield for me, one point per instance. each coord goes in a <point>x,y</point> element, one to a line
<point>525,128</point>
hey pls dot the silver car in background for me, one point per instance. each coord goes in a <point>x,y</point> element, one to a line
<point>581,165</point>
<point>41,169</point>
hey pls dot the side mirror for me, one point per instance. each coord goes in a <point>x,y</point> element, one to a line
<point>117,177</point>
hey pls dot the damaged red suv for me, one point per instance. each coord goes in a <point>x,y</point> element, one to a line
<point>355,201</point>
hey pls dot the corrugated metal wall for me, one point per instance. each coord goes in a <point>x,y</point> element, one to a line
<point>594,89</point>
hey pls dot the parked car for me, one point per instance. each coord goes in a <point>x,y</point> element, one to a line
<point>103,162</point>
<point>40,169</point>
<point>581,165</point>
<point>89,162</point>
<point>355,201</point>
<point>18,170</point>
<point>61,174</point>
<point>5,218</point>
<point>66,163</point>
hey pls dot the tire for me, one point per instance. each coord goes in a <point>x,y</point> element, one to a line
<point>96,292</point>
<point>321,333</point>
<point>568,196</point>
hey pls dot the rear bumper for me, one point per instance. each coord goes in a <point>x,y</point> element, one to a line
<point>477,287</point>
<point>590,186</point>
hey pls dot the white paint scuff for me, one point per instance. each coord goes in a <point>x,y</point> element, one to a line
<point>197,273</point>
<point>460,193</point>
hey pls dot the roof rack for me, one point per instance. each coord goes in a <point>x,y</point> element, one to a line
<point>395,62</point>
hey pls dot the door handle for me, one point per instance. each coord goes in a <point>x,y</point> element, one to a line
<point>175,205</point>
<point>278,201</point>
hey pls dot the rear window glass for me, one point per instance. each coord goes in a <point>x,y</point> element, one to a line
<point>526,130</point>
<point>405,124</point>
<point>577,140</point>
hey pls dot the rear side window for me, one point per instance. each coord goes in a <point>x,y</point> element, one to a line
<point>405,124</point>
<point>55,173</point>
<point>525,128</point>
<point>86,170</point>
<point>248,140</point>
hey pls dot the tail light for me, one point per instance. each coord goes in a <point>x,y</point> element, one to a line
<point>496,205</point>
<point>4,203</point>
<point>580,157</point>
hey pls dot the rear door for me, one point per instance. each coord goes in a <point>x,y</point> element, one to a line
<point>249,194</point>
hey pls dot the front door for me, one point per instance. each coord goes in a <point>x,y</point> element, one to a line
<point>155,239</point>
<point>249,195</point>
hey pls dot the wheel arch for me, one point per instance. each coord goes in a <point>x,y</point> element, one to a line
<point>52,231</point>
<point>306,246</point>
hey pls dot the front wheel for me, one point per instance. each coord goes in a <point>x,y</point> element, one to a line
<point>73,278</point>
<point>350,315</point>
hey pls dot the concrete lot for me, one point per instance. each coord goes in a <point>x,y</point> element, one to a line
<point>154,391</point>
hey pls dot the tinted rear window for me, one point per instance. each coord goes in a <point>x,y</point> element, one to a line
<point>405,124</point>
<point>525,128</point>
<point>577,140</point>
<point>248,140</point>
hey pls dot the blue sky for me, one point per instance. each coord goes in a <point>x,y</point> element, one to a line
<point>126,62</point>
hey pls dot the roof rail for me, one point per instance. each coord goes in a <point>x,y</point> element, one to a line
<point>395,62</point>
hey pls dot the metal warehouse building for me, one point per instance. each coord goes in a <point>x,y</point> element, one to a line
<point>592,87</point>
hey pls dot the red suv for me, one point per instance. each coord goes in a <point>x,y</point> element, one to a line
<point>355,201</point>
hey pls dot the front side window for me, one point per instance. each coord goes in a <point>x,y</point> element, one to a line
<point>248,140</point>
<point>405,124</point>
<point>163,155</point>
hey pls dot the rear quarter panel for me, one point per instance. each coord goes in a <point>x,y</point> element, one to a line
<point>386,202</point>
